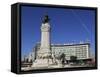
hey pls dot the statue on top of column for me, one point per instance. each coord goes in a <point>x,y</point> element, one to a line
<point>46,19</point>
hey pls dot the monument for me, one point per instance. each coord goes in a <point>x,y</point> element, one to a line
<point>44,55</point>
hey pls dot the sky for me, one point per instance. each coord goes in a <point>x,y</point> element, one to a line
<point>67,25</point>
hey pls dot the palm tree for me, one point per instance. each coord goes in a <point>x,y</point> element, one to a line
<point>62,58</point>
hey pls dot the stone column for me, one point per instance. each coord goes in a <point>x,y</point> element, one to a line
<point>44,55</point>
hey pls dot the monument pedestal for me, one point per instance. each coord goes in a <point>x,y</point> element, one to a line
<point>43,59</point>
<point>42,63</point>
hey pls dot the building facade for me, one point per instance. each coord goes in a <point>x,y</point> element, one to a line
<point>81,51</point>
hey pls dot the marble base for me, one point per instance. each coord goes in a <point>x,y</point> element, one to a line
<point>42,63</point>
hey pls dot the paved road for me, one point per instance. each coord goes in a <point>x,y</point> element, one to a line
<point>53,67</point>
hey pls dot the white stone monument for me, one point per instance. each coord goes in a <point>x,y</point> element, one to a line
<point>44,55</point>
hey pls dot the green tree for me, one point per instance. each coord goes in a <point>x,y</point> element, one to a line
<point>62,58</point>
<point>73,59</point>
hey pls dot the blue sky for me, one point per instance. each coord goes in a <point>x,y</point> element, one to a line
<point>67,25</point>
